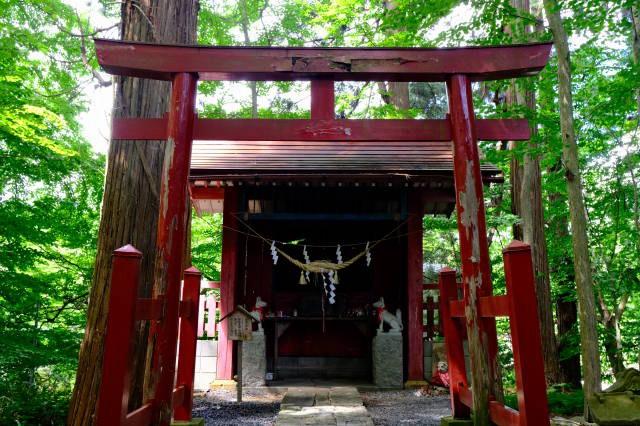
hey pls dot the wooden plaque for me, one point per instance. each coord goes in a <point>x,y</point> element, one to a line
<point>239,326</point>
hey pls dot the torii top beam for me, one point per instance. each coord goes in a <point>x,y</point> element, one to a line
<point>158,61</point>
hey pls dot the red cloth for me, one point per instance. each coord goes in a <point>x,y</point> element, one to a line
<point>441,379</point>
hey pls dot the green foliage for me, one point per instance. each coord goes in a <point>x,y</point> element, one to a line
<point>561,401</point>
<point>50,190</point>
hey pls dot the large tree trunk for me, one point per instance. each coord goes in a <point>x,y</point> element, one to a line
<point>566,306</point>
<point>526,196</point>
<point>130,202</point>
<point>582,264</point>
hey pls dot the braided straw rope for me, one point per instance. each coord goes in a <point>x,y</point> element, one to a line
<point>320,266</point>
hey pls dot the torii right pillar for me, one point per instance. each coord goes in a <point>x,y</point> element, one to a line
<point>474,251</point>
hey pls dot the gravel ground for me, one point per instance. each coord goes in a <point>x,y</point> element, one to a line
<point>404,407</point>
<point>259,407</point>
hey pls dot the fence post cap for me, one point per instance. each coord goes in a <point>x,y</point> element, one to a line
<point>192,271</point>
<point>127,251</point>
<point>447,270</point>
<point>516,246</point>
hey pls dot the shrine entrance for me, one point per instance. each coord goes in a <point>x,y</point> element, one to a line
<point>322,180</point>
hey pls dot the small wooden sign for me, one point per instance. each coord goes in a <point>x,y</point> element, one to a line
<point>239,324</point>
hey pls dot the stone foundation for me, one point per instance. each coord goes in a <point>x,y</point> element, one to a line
<point>387,361</point>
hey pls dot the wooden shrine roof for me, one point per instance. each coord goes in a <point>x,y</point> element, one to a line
<point>301,160</point>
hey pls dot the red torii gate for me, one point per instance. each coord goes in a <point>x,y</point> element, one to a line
<point>458,67</point>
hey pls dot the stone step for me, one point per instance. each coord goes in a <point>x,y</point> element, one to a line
<point>334,406</point>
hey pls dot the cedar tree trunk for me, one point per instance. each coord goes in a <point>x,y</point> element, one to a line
<point>130,201</point>
<point>582,265</point>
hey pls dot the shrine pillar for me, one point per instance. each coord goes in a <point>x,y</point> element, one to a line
<point>171,239</point>
<point>414,327</point>
<point>474,251</point>
<point>228,281</point>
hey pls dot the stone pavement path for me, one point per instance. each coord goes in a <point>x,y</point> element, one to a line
<point>318,406</point>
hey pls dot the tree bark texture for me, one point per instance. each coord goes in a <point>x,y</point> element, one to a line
<point>130,202</point>
<point>526,202</point>
<point>566,306</point>
<point>577,214</point>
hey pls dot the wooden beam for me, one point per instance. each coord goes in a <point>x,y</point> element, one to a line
<point>322,100</point>
<point>171,238</point>
<point>228,281</point>
<point>525,334</point>
<point>206,193</point>
<point>454,335</point>
<point>319,130</point>
<point>159,61</point>
<point>415,361</point>
<point>474,251</point>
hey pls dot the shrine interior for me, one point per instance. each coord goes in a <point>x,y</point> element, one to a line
<point>308,336</point>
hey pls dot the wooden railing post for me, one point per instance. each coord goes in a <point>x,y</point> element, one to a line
<point>113,395</point>
<point>188,341</point>
<point>453,339</point>
<point>525,335</point>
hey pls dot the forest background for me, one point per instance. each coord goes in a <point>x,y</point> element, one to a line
<point>52,162</point>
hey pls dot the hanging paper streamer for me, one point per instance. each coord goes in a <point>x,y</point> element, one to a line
<point>339,255</point>
<point>332,288</point>
<point>274,252</point>
<point>368,254</point>
<point>306,260</point>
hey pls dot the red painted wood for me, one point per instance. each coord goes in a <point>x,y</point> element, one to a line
<point>228,281</point>
<point>454,338</point>
<point>525,335</point>
<point>269,63</point>
<point>178,397</point>
<point>495,306</point>
<point>171,235</point>
<point>431,286</point>
<point>201,309</point>
<point>140,417</point>
<point>470,210</point>
<point>466,396</point>
<point>456,309</point>
<point>502,415</point>
<point>206,193</point>
<point>212,306</point>
<point>415,355</point>
<point>319,130</point>
<point>209,284</point>
<point>113,395</point>
<point>188,340</point>
<point>149,309</point>
<point>322,100</point>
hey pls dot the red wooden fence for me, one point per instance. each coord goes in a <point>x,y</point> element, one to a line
<point>431,306</point>
<point>209,308</point>
<point>520,306</point>
<point>124,309</point>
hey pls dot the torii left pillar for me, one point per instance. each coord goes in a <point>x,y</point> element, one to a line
<point>171,239</point>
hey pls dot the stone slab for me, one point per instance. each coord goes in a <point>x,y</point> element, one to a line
<point>387,361</point>
<point>339,405</point>
<point>202,381</point>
